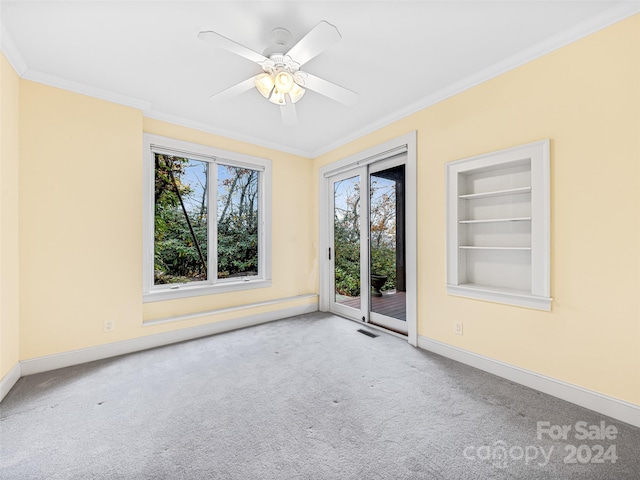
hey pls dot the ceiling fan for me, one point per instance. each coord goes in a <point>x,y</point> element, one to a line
<point>281,81</point>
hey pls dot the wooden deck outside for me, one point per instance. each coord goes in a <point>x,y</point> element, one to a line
<point>390,304</point>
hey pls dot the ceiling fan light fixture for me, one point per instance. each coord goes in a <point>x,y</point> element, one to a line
<point>281,81</point>
<point>278,98</point>
<point>296,93</point>
<point>284,82</point>
<point>264,83</point>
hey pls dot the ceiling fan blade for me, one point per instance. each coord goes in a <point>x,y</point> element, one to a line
<point>223,42</point>
<point>335,92</point>
<point>321,37</point>
<point>288,113</point>
<point>236,90</point>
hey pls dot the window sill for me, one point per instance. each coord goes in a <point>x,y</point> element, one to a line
<point>186,291</point>
<point>507,296</point>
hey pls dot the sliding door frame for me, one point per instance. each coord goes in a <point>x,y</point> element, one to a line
<point>385,150</point>
<point>363,310</point>
<point>378,318</point>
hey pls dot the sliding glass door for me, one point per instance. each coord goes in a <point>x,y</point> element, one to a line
<point>367,244</point>
<point>345,252</point>
<point>387,252</point>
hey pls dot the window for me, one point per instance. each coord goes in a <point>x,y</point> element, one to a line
<point>188,250</point>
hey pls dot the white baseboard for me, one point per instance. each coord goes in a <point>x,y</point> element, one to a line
<point>9,380</point>
<point>610,406</point>
<point>221,311</point>
<point>615,408</point>
<point>76,357</point>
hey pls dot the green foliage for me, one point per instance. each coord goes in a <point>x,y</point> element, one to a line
<point>383,262</point>
<point>347,263</point>
<point>347,237</point>
<point>237,222</point>
<point>176,256</point>
<point>237,253</point>
<point>181,217</point>
<point>347,267</point>
<point>383,230</point>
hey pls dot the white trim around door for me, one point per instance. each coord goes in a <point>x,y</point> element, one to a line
<point>404,144</point>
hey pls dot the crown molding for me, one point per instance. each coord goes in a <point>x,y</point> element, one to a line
<point>618,12</point>
<point>84,89</point>
<point>608,17</point>
<point>205,127</point>
<point>11,52</point>
<point>23,70</point>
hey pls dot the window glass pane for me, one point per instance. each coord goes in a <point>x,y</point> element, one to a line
<point>237,205</point>
<point>387,243</point>
<point>180,223</point>
<point>346,234</point>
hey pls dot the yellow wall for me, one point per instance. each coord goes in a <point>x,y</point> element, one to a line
<point>9,265</point>
<point>585,97</point>
<point>80,217</point>
<point>81,225</point>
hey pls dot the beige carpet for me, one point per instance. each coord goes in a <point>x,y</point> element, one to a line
<point>303,398</point>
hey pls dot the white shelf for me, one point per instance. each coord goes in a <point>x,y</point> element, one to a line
<point>496,193</point>
<point>498,249</point>
<point>472,247</point>
<point>493,220</point>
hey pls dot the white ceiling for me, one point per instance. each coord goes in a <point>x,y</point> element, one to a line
<point>399,55</point>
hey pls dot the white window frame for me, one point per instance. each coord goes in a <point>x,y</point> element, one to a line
<point>158,144</point>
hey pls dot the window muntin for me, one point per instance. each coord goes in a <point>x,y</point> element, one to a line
<point>188,251</point>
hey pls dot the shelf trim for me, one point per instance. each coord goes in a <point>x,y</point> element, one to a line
<point>505,296</point>
<point>474,247</point>
<point>494,220</point>
<point>496,193</point>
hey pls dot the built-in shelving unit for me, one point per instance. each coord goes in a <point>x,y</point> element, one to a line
<point>498,226</point>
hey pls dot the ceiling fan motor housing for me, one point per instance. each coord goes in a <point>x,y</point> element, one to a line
<point>280,38</point>
<point>279,62</point>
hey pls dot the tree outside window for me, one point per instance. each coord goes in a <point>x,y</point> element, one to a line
<point>181,220</point>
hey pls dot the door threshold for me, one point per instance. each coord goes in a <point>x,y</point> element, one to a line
<point>373,326</point>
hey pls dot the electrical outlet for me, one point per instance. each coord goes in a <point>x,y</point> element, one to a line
<point>108,325</point>
<point>457,328</point>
